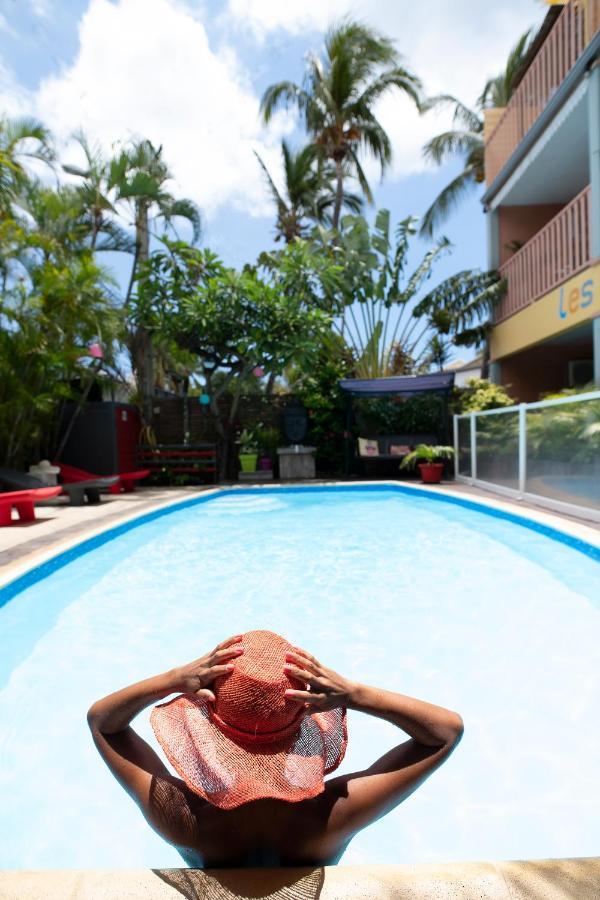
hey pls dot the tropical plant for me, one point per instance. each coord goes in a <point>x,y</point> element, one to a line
<point>233,322</point>
<point>426,453</point>
<point>248,441</point>
<point>97,197</point>
<point>317,387</point>
<point>479,394</point>
<point>566,434</point>
<point>139,175</point>
<point>337,101</point>
<point>21,140</point>
<point>498,90</point>
<point>49,315</point>
<point>307,193</point>
<point>268,439</point>
<point>421,414</point>
<point>465,138</point>
<point>385,322</point>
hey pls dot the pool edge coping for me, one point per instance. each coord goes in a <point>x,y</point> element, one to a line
<point>570,878</point>
<point>577,535</point>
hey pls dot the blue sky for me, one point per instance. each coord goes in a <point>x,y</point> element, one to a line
<point>189,74</point>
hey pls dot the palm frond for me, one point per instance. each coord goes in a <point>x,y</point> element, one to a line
<point>447,200</point>
<point>462,116</point>
<point>283,94</point>
<point>183,208</point>
<point>279,201</point>
<point>449,143</point>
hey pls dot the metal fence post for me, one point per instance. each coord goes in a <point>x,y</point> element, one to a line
<point>522,448</point>
<point>455,430</point>
<point>473,448</point>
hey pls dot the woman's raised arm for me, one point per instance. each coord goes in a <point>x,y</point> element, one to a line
<point>354,801</point>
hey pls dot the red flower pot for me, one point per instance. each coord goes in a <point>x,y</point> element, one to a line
<point>431,473</point>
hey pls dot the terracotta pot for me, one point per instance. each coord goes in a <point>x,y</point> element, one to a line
<point>431,473</point>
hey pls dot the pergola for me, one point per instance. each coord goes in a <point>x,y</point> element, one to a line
<point>397,385</point>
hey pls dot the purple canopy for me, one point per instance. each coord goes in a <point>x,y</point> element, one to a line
<point>405,385</point>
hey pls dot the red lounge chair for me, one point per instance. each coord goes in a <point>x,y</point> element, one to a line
<point>126,480</point>
<point>24,502</point>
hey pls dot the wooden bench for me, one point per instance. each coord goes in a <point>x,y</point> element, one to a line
<point>182,459</point>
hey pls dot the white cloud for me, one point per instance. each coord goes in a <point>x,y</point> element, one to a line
<point>4,26</point>
<point>14,99</point>
<point>264,16</point>
<point>454,46</point>
<point>41,8</point>
<point>145,68</point>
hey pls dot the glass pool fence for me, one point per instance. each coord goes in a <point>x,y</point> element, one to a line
<point>546,452</point>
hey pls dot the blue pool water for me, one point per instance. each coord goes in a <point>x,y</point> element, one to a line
<point>433,599</point>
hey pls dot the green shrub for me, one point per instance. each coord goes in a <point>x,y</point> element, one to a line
<point>480,394</point>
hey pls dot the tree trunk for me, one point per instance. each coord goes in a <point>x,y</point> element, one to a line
<point>485,359</point>
<point>270,384</point>
<point>339,193</point>
<point>141,345</point>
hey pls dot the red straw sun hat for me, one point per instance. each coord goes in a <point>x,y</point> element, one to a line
<point>252,742</point>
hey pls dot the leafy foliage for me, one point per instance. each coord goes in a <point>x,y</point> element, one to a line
<point>231,321</point>
<point>422,414</point>
<point>465,139</point>
<point>426,453</point>
<point>337,100</point>
<point>308,195</point>
<point>390,326</point>
<point>478,395</point>
<point>49,314</point>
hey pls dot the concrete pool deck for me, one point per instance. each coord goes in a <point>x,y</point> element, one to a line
<point>59,526</point>
<point>551,879</point>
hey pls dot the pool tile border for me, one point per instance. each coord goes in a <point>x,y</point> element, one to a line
<point>57,559</point>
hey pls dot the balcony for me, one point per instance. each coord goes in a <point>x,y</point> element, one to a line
<point>560,250</point>
<point>572,32</point>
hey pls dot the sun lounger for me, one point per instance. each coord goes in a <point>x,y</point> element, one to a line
<point>24,503</point>
<point>76,492</point>
<point>125,481</point>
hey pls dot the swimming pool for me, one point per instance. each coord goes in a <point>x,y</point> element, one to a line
<point>440,600</point>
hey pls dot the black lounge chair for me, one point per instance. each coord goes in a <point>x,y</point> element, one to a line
<point>76,492</point>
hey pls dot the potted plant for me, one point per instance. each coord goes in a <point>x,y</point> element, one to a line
<point>269,439</point>
<point>430,467</point>
<point>248,451</point>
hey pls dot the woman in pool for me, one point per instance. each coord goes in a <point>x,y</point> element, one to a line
<point>257,725</point>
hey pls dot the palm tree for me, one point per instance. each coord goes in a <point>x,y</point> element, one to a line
<point>96,202</point>
<point>498,91</point>
<point>307,194</point>
<point>20,139</point>
<point>138,174</point>
<point>466,137</point>
<point>338,98</point>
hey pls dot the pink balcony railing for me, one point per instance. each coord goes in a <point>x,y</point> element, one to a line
<point>572,31</point>
<point>557,252</point>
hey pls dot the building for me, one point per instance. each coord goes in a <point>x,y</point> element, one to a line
<point>465,371</point>
<point>542,198</point>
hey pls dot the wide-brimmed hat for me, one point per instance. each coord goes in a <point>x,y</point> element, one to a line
<point>253,742</point>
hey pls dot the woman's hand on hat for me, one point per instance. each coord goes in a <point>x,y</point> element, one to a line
<point>196,677</point>
<point>325,688</point>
